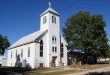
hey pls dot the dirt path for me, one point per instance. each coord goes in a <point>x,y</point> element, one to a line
<point>100,71</point>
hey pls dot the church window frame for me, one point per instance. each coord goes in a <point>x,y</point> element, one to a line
<point>11,54</point>
<point>16,52</point>
<point>44,19</point>
<point>41,48</point>
<point>52,49</point>
<point>21,53</point>
<point>40,64</point>
<point>28,51</point>
<point>62,50</point>
<point>55,49</point>
<point>53,19</point>
<point>54,40</point>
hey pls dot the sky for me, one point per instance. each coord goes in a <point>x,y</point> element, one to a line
<point>19,18</point>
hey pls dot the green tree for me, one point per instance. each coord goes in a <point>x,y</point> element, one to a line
<point>85,32</point>
<point>4,44</point>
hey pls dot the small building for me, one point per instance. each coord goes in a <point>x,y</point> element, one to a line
<point>74,57</point>
<point>3,60</point>
<point>43,48</point>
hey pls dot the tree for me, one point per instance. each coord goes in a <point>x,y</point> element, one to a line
<point>4,44</point>
<point>85,32</point>
<point>108,52</point>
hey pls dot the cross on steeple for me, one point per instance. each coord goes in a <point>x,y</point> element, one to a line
<point>49,4</point>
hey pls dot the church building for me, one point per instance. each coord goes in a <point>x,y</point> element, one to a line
<point>43,48</point>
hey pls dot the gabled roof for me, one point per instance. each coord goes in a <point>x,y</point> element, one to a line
<point>50,10</point>
<point>27,39</point>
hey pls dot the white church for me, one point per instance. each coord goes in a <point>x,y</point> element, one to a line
<point>43,48</point>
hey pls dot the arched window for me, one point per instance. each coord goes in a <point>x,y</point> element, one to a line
<point>54,39</point>
<point>21,53</point>
<point>28,51</point>
<point>53,19</point>
<point>44,19</point>
<point>62,51</point>
<point>41,48</point>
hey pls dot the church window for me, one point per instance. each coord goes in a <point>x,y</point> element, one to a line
<point>53,19</point>
<point>54,39</point>
<point>55,49</point>
<point>11,54</point>
<point>16,53</point>
<point>41,65</point>
<point>41,48</point>
<point>21,53</point>
<point>62,51</point>
<point>44,19</point>
<point>28,51</point>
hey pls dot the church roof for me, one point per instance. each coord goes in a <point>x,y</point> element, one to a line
<point>64,39</point>
<point>50,10</point>
<point>27,39</point>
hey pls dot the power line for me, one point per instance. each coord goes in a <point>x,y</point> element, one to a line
<point>72,3</point>
<point>27,32</point>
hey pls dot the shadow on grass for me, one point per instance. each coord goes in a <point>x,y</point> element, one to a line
<point>96,73</point>
<point>11,70</point>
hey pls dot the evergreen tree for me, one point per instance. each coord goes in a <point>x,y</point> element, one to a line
<point>85,32</point>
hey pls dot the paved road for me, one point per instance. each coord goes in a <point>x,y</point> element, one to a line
<point>101,71</point>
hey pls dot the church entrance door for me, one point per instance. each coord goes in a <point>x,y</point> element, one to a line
<point>54,61</point>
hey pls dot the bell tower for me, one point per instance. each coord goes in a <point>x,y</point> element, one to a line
<point>49,18</point>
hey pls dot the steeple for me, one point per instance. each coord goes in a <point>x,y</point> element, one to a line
<point>50,10</point>
<point>49,19</point>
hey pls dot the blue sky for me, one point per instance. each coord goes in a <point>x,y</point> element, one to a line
<point>21,17</point>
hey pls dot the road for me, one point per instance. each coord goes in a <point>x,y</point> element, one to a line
<point>100,71</point>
